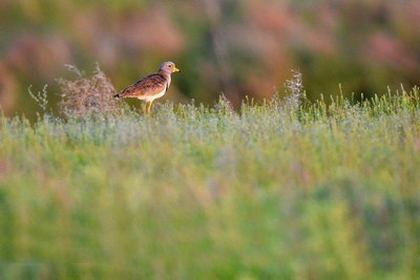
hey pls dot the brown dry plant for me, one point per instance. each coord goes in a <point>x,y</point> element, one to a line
<point>87,96</point>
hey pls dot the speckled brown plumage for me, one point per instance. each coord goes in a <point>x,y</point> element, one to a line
<point>148,86</point>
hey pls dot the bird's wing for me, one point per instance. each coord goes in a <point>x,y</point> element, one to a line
<point>148,86</point>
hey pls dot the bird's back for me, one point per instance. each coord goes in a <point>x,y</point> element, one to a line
<point>148,86</point>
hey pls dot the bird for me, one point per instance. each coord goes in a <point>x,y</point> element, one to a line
<point>151,87</point>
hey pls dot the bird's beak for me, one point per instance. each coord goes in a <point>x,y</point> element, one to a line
<point>176,70</point>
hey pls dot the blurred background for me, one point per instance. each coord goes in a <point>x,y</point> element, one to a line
<point>235,47</point>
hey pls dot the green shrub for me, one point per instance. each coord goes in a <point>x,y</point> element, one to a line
<point>271,192</point>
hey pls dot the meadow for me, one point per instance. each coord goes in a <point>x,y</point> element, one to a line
<point>275,190</point>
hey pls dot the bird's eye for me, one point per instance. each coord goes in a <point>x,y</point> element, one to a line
<point>170,65</point>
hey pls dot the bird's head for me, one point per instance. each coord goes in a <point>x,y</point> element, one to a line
<point>168,67</point>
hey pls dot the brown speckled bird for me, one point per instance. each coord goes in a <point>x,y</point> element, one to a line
<point>151,87</point>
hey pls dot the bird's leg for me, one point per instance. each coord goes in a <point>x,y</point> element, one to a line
<point>150,106</point>
<point>145,108</point>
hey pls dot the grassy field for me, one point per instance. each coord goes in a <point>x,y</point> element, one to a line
<point>274,191</point>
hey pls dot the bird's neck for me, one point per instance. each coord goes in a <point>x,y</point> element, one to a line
<point>167,76</point>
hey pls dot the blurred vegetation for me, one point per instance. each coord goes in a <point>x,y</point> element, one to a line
<point>274,191</point>
<point>238,47</point>
<point>295,187</point>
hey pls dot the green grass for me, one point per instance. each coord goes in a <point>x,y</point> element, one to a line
<point>270,192</point>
